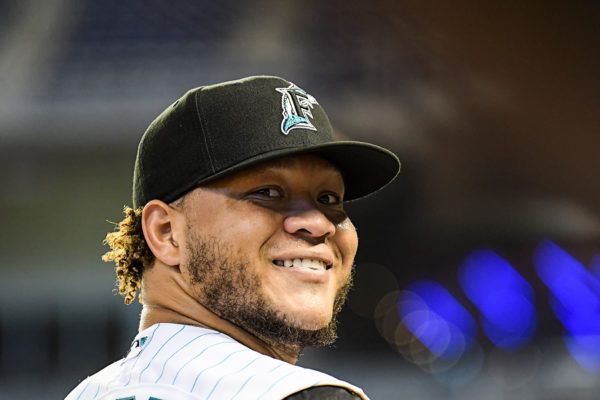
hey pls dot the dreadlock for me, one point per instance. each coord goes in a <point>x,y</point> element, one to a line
<point>130,252</point>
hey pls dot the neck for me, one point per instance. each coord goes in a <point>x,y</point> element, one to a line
<point>166,299</point>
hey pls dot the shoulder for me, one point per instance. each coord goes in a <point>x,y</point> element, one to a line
<point>201,363</point>
<point>138,392</point>
<point>163,356</point>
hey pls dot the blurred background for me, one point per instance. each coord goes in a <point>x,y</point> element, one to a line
<point>479,268</point>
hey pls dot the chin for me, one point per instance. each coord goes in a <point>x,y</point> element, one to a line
<point>311,321</point>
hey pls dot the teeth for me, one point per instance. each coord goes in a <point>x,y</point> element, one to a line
<point>304,263</point>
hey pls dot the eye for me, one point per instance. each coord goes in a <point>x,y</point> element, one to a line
<point>269,192</point>
<point>330,198</point>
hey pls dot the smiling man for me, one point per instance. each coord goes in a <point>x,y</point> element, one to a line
<point>239,244</point>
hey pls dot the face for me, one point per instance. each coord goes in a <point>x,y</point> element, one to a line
<point>271,249</point>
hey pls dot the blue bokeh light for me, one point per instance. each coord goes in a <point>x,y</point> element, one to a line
<point>575,300</point>
<point>506,332</point>
<point>437,319</point>
<point>584,349</point>
<point>502,295</point>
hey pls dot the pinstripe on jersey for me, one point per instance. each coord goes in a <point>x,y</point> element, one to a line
<point>185,362</point>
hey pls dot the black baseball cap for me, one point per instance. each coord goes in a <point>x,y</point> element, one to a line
<point>214,131</point>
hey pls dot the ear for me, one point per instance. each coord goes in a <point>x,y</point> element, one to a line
<point>162,227</point>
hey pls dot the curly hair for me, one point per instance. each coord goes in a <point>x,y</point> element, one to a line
<point>130,252</point>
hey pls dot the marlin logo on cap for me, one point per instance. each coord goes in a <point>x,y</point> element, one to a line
<point>293,101</point>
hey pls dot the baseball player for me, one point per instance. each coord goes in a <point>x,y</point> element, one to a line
<point>239,245</point>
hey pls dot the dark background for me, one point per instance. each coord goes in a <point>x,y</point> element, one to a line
<point>493,108</point>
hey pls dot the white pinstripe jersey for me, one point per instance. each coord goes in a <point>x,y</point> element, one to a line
<point>172,361</point>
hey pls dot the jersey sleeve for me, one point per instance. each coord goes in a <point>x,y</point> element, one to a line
<point>324,392</point>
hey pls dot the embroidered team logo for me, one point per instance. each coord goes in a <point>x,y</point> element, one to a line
<point>297,106</point>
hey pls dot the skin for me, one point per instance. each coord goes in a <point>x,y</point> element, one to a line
<point>284,209</point>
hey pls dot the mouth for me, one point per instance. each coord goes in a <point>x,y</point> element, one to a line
<point>315,265</point>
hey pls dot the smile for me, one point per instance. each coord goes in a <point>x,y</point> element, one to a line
<point>316,265</point>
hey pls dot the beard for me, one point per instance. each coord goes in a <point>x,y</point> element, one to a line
<point>232,291</point>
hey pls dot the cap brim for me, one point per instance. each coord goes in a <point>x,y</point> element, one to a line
<point>366,167</point>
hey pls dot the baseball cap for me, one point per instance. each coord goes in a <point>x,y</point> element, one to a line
<point>214,131</point>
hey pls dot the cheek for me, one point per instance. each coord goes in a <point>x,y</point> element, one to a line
<point>347,241</point>
<point>249,228</point>
<point>236,221</point>
<point>240,228</point>
<point>345,225</point>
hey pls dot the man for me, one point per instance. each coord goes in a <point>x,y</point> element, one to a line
<point>240,245</point>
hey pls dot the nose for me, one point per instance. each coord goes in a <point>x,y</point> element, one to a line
<point>308,221</point>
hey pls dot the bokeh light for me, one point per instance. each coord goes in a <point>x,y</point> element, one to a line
<point>437,319</point>
<point>463,371</point>
<point>502,295</point>
<point>575,300</point>
<point>386,317</point>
